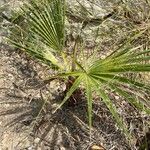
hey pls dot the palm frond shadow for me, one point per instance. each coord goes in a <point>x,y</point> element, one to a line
<point>59,130</point>
<point>49,128</point>
<point>68,128</point>
<point>23,111</point>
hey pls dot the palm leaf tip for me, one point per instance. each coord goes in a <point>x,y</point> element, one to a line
<point>114,112</point>
<point>89,99</point>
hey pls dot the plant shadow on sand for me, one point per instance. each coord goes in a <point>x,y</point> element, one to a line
<point>67,128</point>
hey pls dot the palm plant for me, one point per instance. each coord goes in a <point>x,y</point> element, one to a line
<point>44,39</point>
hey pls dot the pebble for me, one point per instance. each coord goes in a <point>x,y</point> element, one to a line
<point>36,140</point>
<point>117,97</point>
<point>30,148</point>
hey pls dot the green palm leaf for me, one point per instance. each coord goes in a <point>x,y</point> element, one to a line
<point>45,31</point>
<point>100,91</point>
<point>43,55</point>
<point>132,99</point>
<point>110,72</point>
<point>114,78</point>
<point>48,22</point>
<point>129,61</point>
<point>89,98</point>
<point>75,85</point>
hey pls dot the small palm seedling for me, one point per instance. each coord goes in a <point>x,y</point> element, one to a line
<point>44,39</point>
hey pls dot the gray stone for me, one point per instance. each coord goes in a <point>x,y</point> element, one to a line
<point>86,10</point>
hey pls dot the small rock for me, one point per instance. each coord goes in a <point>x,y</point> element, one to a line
<point>97,147</point>
<point>62,148</point>
<point>30,148</point>
<point>37,140</point>
<point>117,97</point>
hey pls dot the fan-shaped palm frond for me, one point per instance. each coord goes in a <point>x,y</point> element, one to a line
<point>109,74</point>
<point>47,22</point>
<point>45,30</point>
